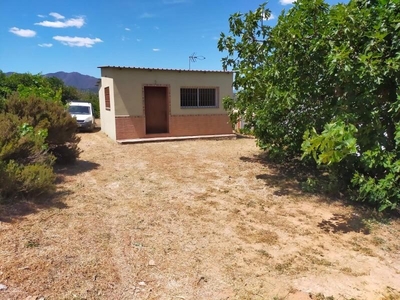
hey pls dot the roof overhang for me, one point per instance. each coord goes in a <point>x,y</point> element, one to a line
<point>161,69</point>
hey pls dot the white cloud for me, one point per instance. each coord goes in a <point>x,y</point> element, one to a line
<point>45,45</point>
<point>22,32</point>
<point>73,22</point>
<point>57,15</point>
<point>41,16</point>
<point>146,16</point>
<point>286,2</point>
<point>77,41</point>
<point>127,29</point>
<point>156,49</point>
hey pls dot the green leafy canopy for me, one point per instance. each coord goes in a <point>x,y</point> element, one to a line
<point>324,82</point>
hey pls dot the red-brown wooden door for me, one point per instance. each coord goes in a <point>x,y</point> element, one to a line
<point>156,109</point>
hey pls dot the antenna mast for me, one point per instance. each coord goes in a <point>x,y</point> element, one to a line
<point>194,58</point>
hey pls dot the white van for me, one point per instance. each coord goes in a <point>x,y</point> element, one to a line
<point>83,112</point>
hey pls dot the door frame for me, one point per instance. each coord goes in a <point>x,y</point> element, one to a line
<point>168,88</point>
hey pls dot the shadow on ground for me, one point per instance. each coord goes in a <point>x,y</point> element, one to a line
<point>80,166</point>
<point>340,223</point>
<point>96,129</point>
<point>284,178</point>
<point>14,209</point>
<point>287,179</point>
<point>284,186</point>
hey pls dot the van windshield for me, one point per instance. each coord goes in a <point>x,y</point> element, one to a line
<point>81,110</point>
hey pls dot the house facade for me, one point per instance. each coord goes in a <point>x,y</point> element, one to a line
<point>139,103</point>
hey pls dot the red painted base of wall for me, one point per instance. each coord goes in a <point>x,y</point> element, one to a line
<point>182,125</point>
<point>129,127</point>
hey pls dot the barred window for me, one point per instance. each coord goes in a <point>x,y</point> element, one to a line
<point>198,97</point>
<point>107,98</point>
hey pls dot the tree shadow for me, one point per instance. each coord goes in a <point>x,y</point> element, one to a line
<point>357,221</point>
<point>287,179</point>
<point>80,166</point>
<point>14,209</point>
<point>341,223</point>
<point>284,186</point>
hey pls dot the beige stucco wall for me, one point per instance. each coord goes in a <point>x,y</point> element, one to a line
<point>107,116</point>
<point>128,88</point>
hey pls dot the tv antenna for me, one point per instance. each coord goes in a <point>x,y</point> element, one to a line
<point>194,58</point>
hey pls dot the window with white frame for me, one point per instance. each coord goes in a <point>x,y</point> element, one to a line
<point>198,97</point>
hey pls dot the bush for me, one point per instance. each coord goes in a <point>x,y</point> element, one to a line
<point>40,114</point>
<point>25,162</point>
<point>33,179</point>
<point>20,142</point>
<point>34,134</point>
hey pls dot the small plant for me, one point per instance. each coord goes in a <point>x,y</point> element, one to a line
<point>321,296</point>
<point>246,131</point>
<point>376,240</point>
<point>32,244</point>
<point>285,266</point>
<point>309,186</point>
<point>264,253</point>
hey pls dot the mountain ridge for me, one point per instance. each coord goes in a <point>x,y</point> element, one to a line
<point>75,79</point>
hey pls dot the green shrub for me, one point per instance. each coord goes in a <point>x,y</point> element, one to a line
<point>61,127</point>
<point>20,142</point>
<point>34,134</point>
<point>31,179</point>
<point>379,181</point>
<point>25,162</point>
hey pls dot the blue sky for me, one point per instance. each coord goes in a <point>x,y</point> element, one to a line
<point>80,35</point>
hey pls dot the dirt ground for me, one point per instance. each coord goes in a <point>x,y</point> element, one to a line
<point>199,219</point>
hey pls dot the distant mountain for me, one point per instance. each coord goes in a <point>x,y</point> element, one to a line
<point>75,79</point>
<point>78,80</point>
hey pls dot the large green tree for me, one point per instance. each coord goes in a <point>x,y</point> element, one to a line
<point>324,82</point>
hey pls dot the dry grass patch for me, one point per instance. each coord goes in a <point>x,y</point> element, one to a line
<point>350,271</point>
<point>190,220</point>
<point>253,235</point>
<point>391,294</point>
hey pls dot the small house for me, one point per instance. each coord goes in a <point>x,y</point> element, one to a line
<point>144,103</point>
